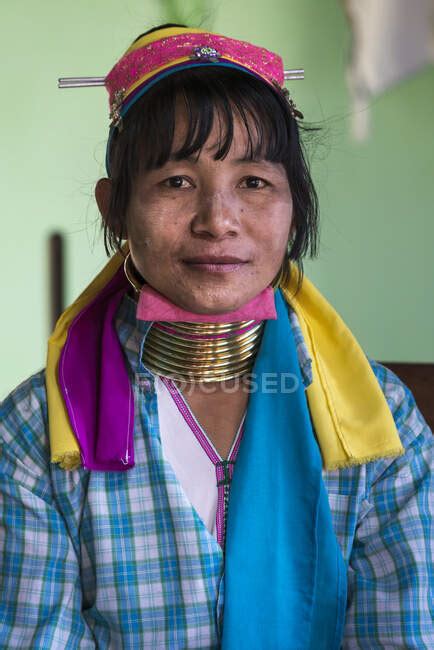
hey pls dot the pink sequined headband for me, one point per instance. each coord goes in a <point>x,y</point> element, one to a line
<point>155,55</point>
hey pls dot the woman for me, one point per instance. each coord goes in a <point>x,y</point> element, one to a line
<point>199,364</point>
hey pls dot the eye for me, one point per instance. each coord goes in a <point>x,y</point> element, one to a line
<point>253,183</point>
<point>177,182</point>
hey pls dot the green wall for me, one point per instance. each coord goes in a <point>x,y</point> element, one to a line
<point>376,259</point>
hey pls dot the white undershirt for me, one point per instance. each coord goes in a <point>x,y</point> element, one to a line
<point>193,468</point>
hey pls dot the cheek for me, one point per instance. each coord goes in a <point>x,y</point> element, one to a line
<point>274,245</point>
<point>144,225</point>
<point>154,235</point>
<point>272,229</point>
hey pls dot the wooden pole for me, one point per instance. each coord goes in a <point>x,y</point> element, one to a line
<point>56,280</point>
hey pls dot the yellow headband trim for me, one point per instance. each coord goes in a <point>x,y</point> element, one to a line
<point>161,33</point>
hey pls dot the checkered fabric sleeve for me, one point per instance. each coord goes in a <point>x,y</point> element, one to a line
<point>40,594</point>
<point>390,573</point>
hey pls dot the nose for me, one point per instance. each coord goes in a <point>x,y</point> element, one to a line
<point>216,216</point>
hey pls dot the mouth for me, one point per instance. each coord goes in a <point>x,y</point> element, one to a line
<point>211,264</point>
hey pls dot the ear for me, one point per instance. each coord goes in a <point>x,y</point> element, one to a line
<point>103,192</point>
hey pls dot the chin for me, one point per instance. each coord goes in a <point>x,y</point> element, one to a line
<point>215,304</point>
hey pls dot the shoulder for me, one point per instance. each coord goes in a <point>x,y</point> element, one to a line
<point>25,449</point>
<point>415,435</point>
<point>409,420</point>
<point>414,432</point>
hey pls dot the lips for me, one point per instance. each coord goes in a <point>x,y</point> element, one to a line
<point>211,259</point>
<point>215,264</point>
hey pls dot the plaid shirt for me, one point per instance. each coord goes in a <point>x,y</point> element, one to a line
<point>121,560</point>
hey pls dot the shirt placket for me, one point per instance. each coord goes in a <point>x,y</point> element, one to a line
<point>224,468</point>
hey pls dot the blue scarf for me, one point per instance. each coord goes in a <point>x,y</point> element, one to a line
<point>285,577</point>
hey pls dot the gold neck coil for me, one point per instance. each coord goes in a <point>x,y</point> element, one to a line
<point>202,352</point>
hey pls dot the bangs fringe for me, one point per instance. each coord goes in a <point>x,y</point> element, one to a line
<point>205,97</point>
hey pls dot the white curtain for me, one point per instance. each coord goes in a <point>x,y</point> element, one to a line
<point>391,40</point>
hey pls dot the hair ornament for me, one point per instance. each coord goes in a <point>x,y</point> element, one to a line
<point>115,108</point>
<point>296,114</point>
<point>205,53</point>
<point>158,54</point>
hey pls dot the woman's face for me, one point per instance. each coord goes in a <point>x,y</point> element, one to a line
<point>210,234</point>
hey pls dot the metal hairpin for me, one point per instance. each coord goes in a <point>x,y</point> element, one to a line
<point>83,82</point>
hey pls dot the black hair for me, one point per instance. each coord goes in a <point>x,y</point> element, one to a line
<point>145,142</point>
